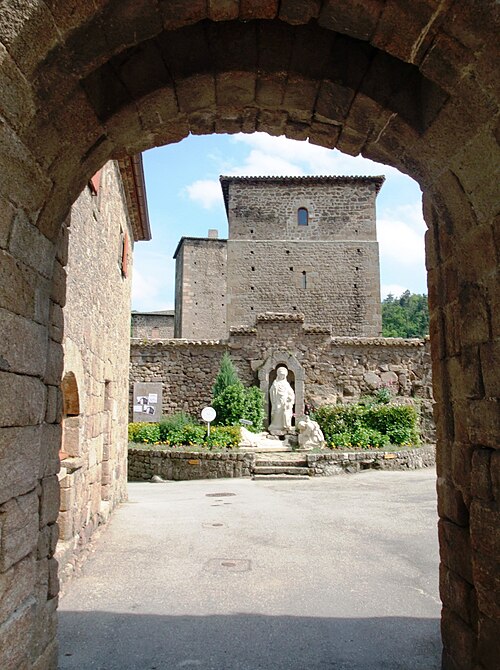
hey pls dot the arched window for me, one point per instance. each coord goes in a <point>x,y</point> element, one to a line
<point>304,279</point>
<point>302,216</point>
<point>155,333</point>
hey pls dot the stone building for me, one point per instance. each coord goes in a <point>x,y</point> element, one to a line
<point>411,85</point>
<point>96,351</point>
<point>153,325</point>
<point>295,244</point>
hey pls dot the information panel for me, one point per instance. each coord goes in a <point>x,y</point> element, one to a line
<point>147,401</point>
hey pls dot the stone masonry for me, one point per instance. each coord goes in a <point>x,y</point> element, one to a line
<point>153,325</point>
<point>327,270</point>
<point>96,351</point>
<point>326,267</point>
<point>410,84</point>
<point>336,369</point>
<point>200,288</point>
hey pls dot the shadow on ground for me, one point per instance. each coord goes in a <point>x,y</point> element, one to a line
<point>115,641</point>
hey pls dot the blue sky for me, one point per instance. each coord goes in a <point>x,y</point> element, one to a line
<point>185,198</point>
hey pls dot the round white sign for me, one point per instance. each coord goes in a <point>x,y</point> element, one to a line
<point>208,414</point>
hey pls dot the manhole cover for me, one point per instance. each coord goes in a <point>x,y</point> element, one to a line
<point>225,565</point>
<point>219,495</point>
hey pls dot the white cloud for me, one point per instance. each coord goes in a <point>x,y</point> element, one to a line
<point>394,289</point>
<point>306,158</point>
<point>400,233</point>
<point>152,279</point>
<point>205,192</point>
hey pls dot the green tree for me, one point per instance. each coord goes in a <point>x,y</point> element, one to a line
<point>227,376</point>
<point>406,316</point>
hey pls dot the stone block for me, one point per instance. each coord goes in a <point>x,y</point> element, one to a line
<point>490,364</point>
<point>481,475</point>
<point>457,633</point>
<point>177,13</point>
<point>19,529</point>
<point>24,183</point>
<point>15,634</point>
<point>19,460</point>
<point>485,528</point>
<point>223,10</point>
<point>487,583</point>
<point>455,548</point>
<point>30,390</point>
<point>297,12</point>
<point>488,643</point>
<point>451,504</point>
<point>58,289</point>
<point>49,451</point>
<point>455,593</point>
<point>23,347</point>
<point>54,363</point>
<point>7,212</point>
<point>30,246</point>
<point>483,422</point>
<point>357,19</point>
<point>16,586</point>
<point>49,501</point>
<point>66,525</point>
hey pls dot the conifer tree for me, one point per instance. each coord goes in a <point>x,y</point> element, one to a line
<point>227,376</point>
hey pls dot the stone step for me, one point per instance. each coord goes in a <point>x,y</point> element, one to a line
<point>262,478</point>
<point>272,463</point>
<point>280,470</point>
<point>279,448</point>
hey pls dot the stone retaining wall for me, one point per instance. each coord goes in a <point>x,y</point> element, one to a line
<point>178,465</point>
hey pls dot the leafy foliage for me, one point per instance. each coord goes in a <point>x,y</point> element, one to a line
<point>232,401</point>
<point>406,316</point>
<point>364,427</point>
<point>227,376</point>
<point>237,402</point>
<point>187,434</point>
<point>174,423</point>
<point>148,433</point>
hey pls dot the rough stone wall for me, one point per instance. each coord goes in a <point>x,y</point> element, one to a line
<point>327,270</point>
<point>200,288</point>
<point>336,369</point>
<point>96,352</point>
<point>153,326</point>
<point>411,85</point>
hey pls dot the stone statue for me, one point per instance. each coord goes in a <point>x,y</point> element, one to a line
<point>282,399</point>
<point>310,434</point>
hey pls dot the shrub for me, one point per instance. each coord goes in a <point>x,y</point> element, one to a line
<point>237,402</point>
<point>223,437</point>
<point>254,408</point>
<point>149,433</point>
<point>227,376</point>
<point>363,426</point>
<point>132,430</point>
<point>174,422</point>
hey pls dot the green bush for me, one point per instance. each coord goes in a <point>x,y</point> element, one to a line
<point>227,376</point>
<point>173,423</point>
<point>149,433</point>
<point>132,431</point>
<point>254,408</point>
<point>237,402</point>
<point>364,426</point>
<point>192,434</point>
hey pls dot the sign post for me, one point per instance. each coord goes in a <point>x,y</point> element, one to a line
<point>208,414</point>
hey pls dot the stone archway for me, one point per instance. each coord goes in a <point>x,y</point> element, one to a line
<point>288,360</point>
<point>409,84</point>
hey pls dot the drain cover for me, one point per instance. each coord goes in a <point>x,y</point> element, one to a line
<point>224,565</point>
<point>219,495</point>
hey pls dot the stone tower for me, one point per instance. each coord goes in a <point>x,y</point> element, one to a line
<point>296,244</point>
<point>304,244</point>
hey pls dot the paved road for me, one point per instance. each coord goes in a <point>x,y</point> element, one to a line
<point>326,574</point>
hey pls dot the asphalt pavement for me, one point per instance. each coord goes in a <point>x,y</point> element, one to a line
<point>335,573</point>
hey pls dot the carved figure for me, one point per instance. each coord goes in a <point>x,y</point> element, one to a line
<point>310,434</point>
<point>282,399</point>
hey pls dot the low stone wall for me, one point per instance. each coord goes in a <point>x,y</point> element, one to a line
<point>180,465</point>
<point>143,464</point>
